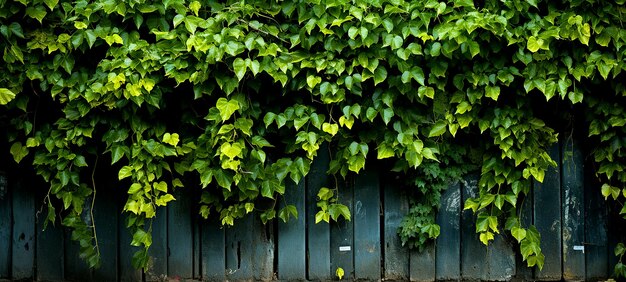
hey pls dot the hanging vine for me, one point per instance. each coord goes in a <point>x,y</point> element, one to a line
<point>237,97</point>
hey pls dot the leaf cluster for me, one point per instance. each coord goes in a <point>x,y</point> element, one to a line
<point>238,97</point>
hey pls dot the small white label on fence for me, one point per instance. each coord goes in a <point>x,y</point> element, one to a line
<point>579,248</point>
<point>344,248</point>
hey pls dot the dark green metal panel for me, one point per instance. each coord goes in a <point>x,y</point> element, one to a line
<point>616,231</point>
<point>292,236</point>
<point>262,250</point>
<point>395,206</point>
<point>76,269</point>
<point>547,215</point>
<point>423,264</point>
<point>366,216</point>
<point>212,253</point>
<point>5,226</point>
<point>179,236</point>
<point>158,250</point>
<point>526,206</point>
<point>197,238</point>
<point>239,249</point>
<point>473,252</point>
<point>500,260</point>
<point>596,241</point>
<point>50,247</point>
<point>126,272</point>
<point>23,237</point>
<point>448,248</point>
<point>573,212</point>
<point>342,235</point>
<point>318,235</point>
<point>106,217</point>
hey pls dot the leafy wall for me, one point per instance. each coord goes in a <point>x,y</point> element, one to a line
<point>238,97</point>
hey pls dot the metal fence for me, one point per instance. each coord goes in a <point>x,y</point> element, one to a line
<point>577,236</point>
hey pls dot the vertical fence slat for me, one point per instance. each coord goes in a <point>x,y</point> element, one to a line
<point>448,246</point>
<point>292,236</point>
<point>239,249</point>
<point>106,217</point>
<point>342,235</point>
<point>5,226</point>
<point>596,241</point>
<point>573,213</point>
<point>262,250</point>
<point>367,226</point>
<point>396,205</point>
<point>180,236</point>
<point>158,251</point>
<point>616,231</point>
<point>49,259</point>
<point>473,252</point>
<point>197,238</point>
<point>423,264</point>
<point>501,260</point>
<point>547,218</point>
<point>76,269</point>
<point>125,250</point>
<point>526,207</point>
<point>212,254</point>
<point>318,235</point>
<point>23,243</point>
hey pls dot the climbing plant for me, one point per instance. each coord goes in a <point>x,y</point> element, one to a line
<point>238,97</point>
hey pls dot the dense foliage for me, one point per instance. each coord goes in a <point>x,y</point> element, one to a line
<point>239,96</point>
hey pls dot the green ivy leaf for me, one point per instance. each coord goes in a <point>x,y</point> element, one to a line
<point>380,74</point>
<point>37,12</point>
<point>438,129</point>
<point>492,92</point>
<point>18,151</point>
<point>6,96</point>
<point>226,107</point>
<point>337,210</point>
<point>325,194</point>
<point>239,66</point>
<point>124,172</point>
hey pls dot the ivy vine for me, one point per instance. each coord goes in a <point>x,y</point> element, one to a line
<point>238,97</point>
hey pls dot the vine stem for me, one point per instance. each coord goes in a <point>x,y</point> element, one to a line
<point>93,201</point>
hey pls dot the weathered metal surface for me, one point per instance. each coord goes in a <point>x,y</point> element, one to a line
<point>157,269</point>
<point>292,235</point>
<point>547,215</point>
<point>212,254</point>
<point>180,237</point>
<point>500,260</point>
<point>423,264</point>
<point>524,273</point>
<point>365,247</point>
<point>23,237</point>
<point>448,245</point>
<point>262,250</point>
<point>6,216</point>
<point>473,252</point>
<point>596,241</point>
<point>126,272</point>
<point>395,206</point>
<point>106,216</point>
<point>366,214</point>
<point>342,234</point>
<point>318,235</point>
<point>572,165</point>
<point>239,249</point>
<point>50,247</point>
<point>75,268</point>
